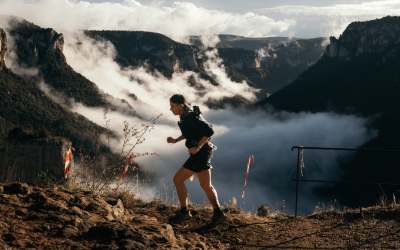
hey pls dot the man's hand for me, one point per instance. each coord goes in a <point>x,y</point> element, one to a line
<point>171,140</point>
<point>194,150</point>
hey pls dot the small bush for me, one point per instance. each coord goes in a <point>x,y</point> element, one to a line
<point>128,199</point>
<point>263,210</point>
<point>232,207</point>
<point>46,179</point>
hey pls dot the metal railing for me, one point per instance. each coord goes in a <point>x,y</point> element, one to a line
<point>361,183</point>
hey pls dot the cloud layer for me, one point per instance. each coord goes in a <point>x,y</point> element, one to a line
<point>365,9</point>
<point>178,21</point>
<point>315,21</point>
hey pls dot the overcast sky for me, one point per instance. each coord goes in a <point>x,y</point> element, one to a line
<point>303,19</point>
<point>313,18</point>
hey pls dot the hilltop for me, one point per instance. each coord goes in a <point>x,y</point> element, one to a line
<point>35,217</point>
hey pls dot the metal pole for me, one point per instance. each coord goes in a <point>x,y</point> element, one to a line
<point>362,184</point>
<point>297,181</point>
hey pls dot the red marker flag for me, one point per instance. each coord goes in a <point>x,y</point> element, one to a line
<point>129,162</point>
<point>249,161</point>
<point>67,161</point>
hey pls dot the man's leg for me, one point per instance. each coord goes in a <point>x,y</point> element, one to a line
<point>205,183</point>
<point>179,181</point>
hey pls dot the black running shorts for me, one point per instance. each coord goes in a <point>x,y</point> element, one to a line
<point>201,160</point>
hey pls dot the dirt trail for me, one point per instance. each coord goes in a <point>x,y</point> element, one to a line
<point>33,217</point>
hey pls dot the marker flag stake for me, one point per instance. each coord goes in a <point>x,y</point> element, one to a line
<point>249,161</point>
<point>67,161</point>
<point>129,162</point>
<point>301,160</point>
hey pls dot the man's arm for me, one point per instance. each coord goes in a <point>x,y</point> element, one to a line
<point>201,143</point>
<point>172,140</point>
<point>180,138</point>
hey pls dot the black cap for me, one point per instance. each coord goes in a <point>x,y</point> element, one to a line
<point>178,99</point>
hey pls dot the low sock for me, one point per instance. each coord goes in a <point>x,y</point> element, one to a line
<point>184,209</point>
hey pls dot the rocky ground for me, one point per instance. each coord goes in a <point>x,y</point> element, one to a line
<point>33,217</point>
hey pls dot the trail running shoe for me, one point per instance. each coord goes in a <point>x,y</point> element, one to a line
<point>180,217</point>
<point>217,219</point>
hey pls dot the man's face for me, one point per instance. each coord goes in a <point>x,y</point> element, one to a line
<point>177,109</point>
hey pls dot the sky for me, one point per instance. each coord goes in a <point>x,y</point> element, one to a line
<point>290,18</point>
<point>268,136</point>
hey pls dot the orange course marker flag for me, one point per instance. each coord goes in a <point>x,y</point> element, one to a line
<point>249,161</point>
<point>67,161</point>
<point>129,162</point>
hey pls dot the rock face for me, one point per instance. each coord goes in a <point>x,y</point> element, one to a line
<point>174,57</point>
<point>239,58</point>
<point>3,48</point>
<point>34,44</point>
<point>26,160</point>
<point>377,36</point>
<point>49,218</point>
<point>137,48</point>
<point>42,49</point>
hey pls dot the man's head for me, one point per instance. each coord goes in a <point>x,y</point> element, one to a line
<point>177,104</point>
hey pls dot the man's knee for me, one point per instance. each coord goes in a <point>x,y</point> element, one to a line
<point>206,187</point>
<point>178,180</point>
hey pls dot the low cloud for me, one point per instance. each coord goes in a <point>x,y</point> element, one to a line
<point>177,21</point>
<point>269,138</point>
<point>262,53</point>
<point>94,60</point>
<point>316,21</point>
<point>364,9</point>
<point>209,40</point>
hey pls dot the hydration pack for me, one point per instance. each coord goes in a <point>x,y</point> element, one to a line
<point>196,110</point>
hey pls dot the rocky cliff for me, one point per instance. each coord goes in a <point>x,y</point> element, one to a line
<point>139,48</point>
<point>42,49</point>
<point>370,37</point>
<point>238,58</point>
<point>3,48</point>
<point>34,44</point>
<point>248,43</point>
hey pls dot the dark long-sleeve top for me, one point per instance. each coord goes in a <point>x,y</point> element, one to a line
<point>194,127</point>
